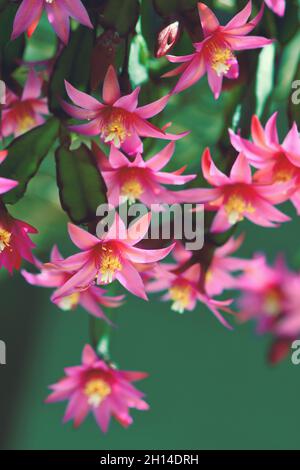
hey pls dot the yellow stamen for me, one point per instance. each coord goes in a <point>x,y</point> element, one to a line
<point>132,190</point>
<point>236,207</point>
<point>272,304</point>
<point>5,237</point>
<point>25,123</point>
<point>283,176</point>
<point>69,302</point>
<point>208,276</point>
<point>115,131</point>
<point>220,61</point>
<point>181,297</point>
<point>96,390</point>
<point>109,265</point>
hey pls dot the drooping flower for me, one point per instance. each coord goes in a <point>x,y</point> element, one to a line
<point>277,163</point>
<point>278,6</point>
<point>215,54</point>
<point>118,120</point>
<point>236,196</point>
<point>270,296</point>
<point>15,243</point>
<point>59,13</point>
<point>91,298</point>
<point>219,275</point>
<point>97,387</point>
<point>5,183</point>
<point>138,179</point>
<point>184,284</point>
<point>114,256</point>
<point>20,114</point>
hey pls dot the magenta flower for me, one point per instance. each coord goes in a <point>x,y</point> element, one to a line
<point>214,54</point>
<point>138,179</point>
<point>19,115</point>
<point>95,386</point>
<point>119,121</point>
<point>184,285</point>
<point>277,163</point>
<point>219,276</point>
<point>59,13</point>
<point>236,196</point>
<point>5,183</point>
<point>114,256</point>
<point>90,298</point>
<point>15,243</point>
<point>278,6</point>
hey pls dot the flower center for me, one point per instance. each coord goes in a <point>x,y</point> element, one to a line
<point>109,265</point>
<point>221,60</point>
<point>69,302</point>
<point>115,130</point>
<point>132,190</point>
<point>236,207</point>
<point>283,175</point>
<point>5,237</point>
<point>181,296</point>
<point>272,304</point>
<point>96,390</point>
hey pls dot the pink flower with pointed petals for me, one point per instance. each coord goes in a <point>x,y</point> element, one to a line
<point>277,163</point>
<point>97,387</point>
<point>219,276</point>
<point>59,13</point>
<point>90,298</point>
<point>19,115</point>
<point>119,121</point>
<point>214,55</point>
<point>270,295</point>
<point>236,196</point>
<point>278,6</point>
<point>15,243</point>
<point>138,179</point>
<point>184,285</point>
<point>114,256</point>
<point>5,183</point>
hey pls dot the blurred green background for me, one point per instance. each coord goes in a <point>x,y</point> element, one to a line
<point>208,388</point>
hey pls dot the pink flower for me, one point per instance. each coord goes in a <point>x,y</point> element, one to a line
<point>5,183</point>
<point>277,162</point>
<point>278,6</point>
<point>236,196</point>
<point>184,285</point>
<point>138,179</point>
<point>15,243</point>
<point>119,120</point>
<point>58,12</point>
<point>97,387</point>
<point>19,115</point>
<point>90,298</point>
<point>114,256</point>
<point>219,276</point>
<point>167,38</point>
<point>214,54</point>
<point>271,296</point>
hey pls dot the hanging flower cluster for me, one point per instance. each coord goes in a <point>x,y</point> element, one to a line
<point>254,174</point>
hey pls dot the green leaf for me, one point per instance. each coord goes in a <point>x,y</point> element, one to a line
<point>25,154</point>
<point>73,65</point>
<point>81,187</point>
<point>10,51</point>
<point>120,16</point>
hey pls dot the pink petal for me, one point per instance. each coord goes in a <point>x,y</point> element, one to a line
<point>6,185</point>
<point>150,110</point>
<point>215,82</point>
<point>240,18</point>
<point>81,238</point>
<point>111,90</point>
<point>161,159</point>
<point>240,43</point>
<point>271,130</point>
<point>138,255</point>
<point>208,19</point>
<point>241,171</point>
<point>88,355</point>
<point>102,415</point>
<point>82,99</point>
<point>32,87</point>
<point>128,102</point>
<point>117,159</point>
<point>192,73</point>
<point>131,280</point>
<point>77,11</point>
<point>59,20</point>
<point>210,172</point>
<point>28,13</point>
<point>91,128</point>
